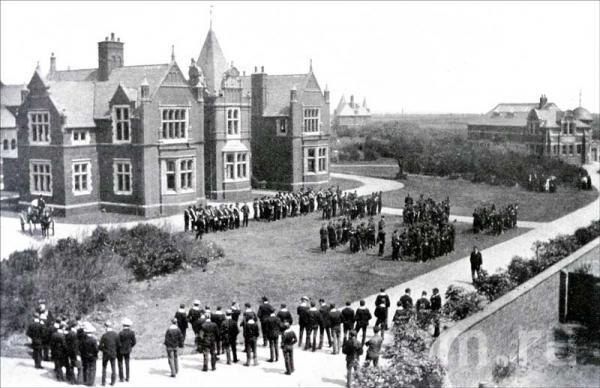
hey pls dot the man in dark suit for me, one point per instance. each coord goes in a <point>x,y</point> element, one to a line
<point>173,340</point>
<point>436,308</point>
<point>229,332</point>
<point>382,299</point>
<point>352,349</point>
<point>89,354</point>
<point>126,343</point>
<point>288,339</point>
<point>362,318</point>
<point>312,326</point>
<point>208,343</point>
<point>218,317</point>
<point>347,319</point>
<point>35,332</point>
<point>406,300</point>
<point>73,354</point>
<point>109,346</point>
<point>302,312</point>
<point>324,324</point>
<point>194,316</point>
<point>58,349</point>
<point>251,334</point>
<point>374,348</point>
<point>264,310</point>
<point>423,302</point>
<point>285,315</point>
<point>335,320</point>
<point>476,262</point>
<point>182,319</point>
<point>271,331</point>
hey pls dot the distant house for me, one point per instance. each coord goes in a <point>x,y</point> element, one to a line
<point>11,97</point>
<point>350,114</point>
<point>539,128</point>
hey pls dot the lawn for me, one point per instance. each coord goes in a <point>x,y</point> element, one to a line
<point>464,195</point>
<point>279,259</point>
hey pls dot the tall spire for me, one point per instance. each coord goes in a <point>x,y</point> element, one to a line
<point>310,66</point>
<point>172,53</point>
<point>211,16</point>
<point>212,62</point>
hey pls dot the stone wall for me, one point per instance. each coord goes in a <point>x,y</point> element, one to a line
<point>510,325</point>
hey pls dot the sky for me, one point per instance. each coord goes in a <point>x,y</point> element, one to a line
<point>427,57</point>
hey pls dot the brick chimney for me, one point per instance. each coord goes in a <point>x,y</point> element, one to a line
<point>110,56</point>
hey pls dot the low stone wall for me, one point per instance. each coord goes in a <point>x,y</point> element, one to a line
<point>507,327</point>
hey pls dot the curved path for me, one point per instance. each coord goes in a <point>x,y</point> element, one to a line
<point>319,368</point>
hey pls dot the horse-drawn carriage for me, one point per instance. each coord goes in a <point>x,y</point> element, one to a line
<point>38,213</point>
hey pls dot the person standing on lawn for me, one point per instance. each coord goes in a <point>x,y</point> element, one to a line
<point>323,235</point>
<point>126,343</point>
<point>347,319</point>
<point>272,331</point>
<point>208,342</point>
<point>173,340</point>
<point>251,334</point>
<point>109,345</point>
<point>35,331</point>
<point>194,315</point>
<point>89,355</point>
<point>406,300</point>
<point>335,320</point>
<point>182,320</point>
<point>229,333</point>
<point>362,317</point>
<point>302,312</point>
<point>352,349</point>
<point>288,339</point>
<point>264,311</point>
<point>476,262</point>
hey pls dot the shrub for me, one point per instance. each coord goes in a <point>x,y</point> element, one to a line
<point>460,303</point>
<point>409,362</point>
<point>520,270</point>
<point>493,286</point>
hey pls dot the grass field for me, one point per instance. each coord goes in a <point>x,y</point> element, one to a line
<point>464,195</point>
<point>280,259</point>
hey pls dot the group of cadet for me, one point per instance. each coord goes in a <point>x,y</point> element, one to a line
<point>423,241</point>
<point>425,210</point>
<point>542,183</point>
<point>360,237</point>
<point>585,182</point>
<point>488,218</point>
<point>73,348</point>
<point>215,218</point>
<point>349,205</point>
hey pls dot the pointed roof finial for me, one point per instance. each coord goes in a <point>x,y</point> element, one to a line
<point>37,67</point>
<point>310,68</point>
<point>172,53</point>
<point>211,16</point>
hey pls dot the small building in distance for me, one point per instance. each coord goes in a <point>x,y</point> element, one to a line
<point>11,97</point>
<point>350,114</point>
<point>538,128</point>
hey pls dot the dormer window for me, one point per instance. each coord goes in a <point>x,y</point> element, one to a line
<point>121,124</point>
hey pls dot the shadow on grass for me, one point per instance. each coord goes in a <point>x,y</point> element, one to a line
<point>340,382</point>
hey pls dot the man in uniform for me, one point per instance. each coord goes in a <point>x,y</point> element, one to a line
<point>229,332</point>
<point>126,343</point>
<point>314,319</point>
<point>323,237</point>
<point>89,355</point>
<point>264,310</point>
<point>235,312</point>
<point>250,338</point>
<point>423,302</point>
<point>73,354</point>
<point>476,262</point>
<point>347,319</point>
<point>381,241</point>
<point>59,351</point>
<point>173,340</point>
<point>35,332</point>
<point>324,324</point>
<point>109,345</point>
<point>335,320</point>
<point>284,315</point>
<point>182,319</point>
<point>352,349</point>
<point>194,315</point>
<point>218,317</point>
<point>436,307</point>
<point>245,215</point>
<point>374,348</point>
<point>302,312</point>
<point>208,342</point>
<point>362,317</point>
<point>288,339</point>
<point>406,300</point>
<point>271,330</point>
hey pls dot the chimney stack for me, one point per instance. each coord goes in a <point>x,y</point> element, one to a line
<point>326,94</point>
<point>52,65</point>
<point>262,69</point>
<point>110,56</point>
<point>294,94</point>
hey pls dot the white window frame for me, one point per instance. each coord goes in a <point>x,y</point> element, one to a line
<point>178,172</point>
<point>77,134</point>
<point>311,124</point>
<point>116,123</point>
<point>186,174</point>
<point>239,164</point>
<point>308,158</point>
<point>233,122</point>
<point>322,156</point>
<point>177,124</point>
<point>39,127</point>
<point>281,126</point>
<point>74,175</point>
<point>48,174</point>
<point>116,174</point>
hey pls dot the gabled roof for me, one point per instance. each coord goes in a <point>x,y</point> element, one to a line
<point>504,119</point>
<point>10,95</point>
<point>547,118</point>
<point>212,62</point>
<point>350,108</point>
<point>75,100</point>
<point>74,75</point>
<point>7,119</point>
<point>278,92</point>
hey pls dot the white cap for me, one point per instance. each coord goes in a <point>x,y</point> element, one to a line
<point>126,322</point>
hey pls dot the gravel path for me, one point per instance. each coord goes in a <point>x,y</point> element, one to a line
<point>320,368</point>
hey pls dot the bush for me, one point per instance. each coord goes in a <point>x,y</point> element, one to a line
<point>493,286</point>
<point>460,303</point>
<point>409,362</point>
<point>520,270</point>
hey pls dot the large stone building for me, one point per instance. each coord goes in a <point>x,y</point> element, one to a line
<point>146,140</point>
<point>540,128</point>
<point>350,114</point>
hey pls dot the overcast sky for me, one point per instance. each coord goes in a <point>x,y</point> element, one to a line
<point>416,57</point>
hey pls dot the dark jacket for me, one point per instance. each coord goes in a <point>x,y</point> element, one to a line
<point>381,313</point>
<point>436,302</point>
<point>229,330</point>
<point>249,314</point>
<point>194,315</point>
<point>288,339</point>
<point>217,317</point>
<point>374,346</point>
<point>271,327</point>
<point>209,332</point>
<point>89,348</point>
<point>476,260</point>
<point>264,310</point>
<point>362,317</point>
<point>173,337</point>
<point>348,316</point>
<point>72,343</point>
<point>182,319</point>
<point>352,349</point>
<point>324,310</point>
<point>126,341</point>
<point>302,311</point>
<point>314,318</point>
<point>423,304</point>
<point>58,346</point>
<point>406,301</point>
<point>250,331</point>
<point>109,344</point>
<point>382,298</point>
<point>335,318</point>
<point>35,331</point>
<point>285,316</point>
<point>235,314</point>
